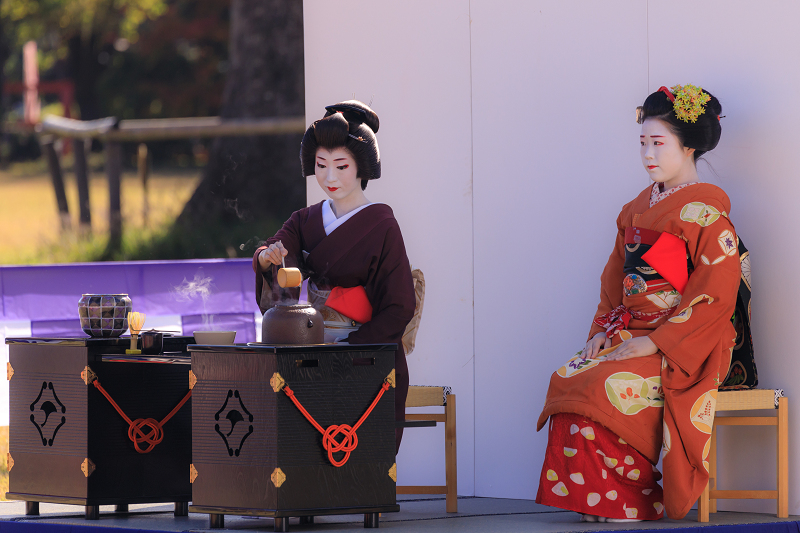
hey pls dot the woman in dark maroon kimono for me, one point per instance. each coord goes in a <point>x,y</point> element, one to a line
<point>345,242</point>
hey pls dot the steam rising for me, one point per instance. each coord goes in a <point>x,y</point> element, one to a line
<point>200,287</point>
<point>233,205</point>
<point>255,242</point>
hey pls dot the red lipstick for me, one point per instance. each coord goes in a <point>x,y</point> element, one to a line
<point>333,189</point>
<point>651,167</point>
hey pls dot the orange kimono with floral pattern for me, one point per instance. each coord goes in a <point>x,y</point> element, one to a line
<point>666,400</point>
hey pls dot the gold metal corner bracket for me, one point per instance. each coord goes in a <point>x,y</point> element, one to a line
<point>277,382</point>
<point>9,371</point>
<point>87,467</point>
<point>192,473</point>
<point>393,472</point>
<point>192,380</point>
<point>9,461</point>
<point>278,477</point>
<point>88,375</point>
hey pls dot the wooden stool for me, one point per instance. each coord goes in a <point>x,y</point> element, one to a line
<point>742,400</point>
<point>439,397</point>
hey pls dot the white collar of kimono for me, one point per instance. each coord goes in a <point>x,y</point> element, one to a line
<point>329,220</point>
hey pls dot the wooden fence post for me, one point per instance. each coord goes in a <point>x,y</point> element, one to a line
<point>113,153</point>
<point>47,144</point>
<point>79,147</point>
<point>144,173</point>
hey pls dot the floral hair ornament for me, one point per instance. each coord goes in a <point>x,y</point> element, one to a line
<point>689,102</point>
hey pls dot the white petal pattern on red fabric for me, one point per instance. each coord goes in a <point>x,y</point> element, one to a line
<point>560,489</point>
<point>578,480</point>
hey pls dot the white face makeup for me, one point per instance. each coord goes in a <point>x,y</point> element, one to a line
<point>664,158</point>
<point>336,173</point>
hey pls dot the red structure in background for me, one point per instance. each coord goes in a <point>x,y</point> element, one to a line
<point>31,87</point>
<point>65,89</point>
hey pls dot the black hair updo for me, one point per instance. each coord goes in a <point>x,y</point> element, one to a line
<point>351,125</point>
<point>702,135</point>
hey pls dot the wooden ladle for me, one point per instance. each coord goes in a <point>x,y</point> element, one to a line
<point>289,277</point>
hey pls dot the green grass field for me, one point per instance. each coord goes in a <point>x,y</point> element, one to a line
<point>30,229</point>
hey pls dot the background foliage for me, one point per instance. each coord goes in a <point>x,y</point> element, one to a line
<point>139,59</point>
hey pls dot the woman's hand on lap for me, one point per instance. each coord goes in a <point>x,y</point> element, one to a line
<point>272,255</point>
<point>595,344</point>
<point>636,347</point>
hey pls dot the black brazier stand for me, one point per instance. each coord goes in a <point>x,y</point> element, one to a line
<point>67,442</point>
<point>253,451</point>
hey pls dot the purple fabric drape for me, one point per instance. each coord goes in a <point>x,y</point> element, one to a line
<point>215,290</point>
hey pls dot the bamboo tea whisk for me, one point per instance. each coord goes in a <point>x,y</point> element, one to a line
<point>135,323</point>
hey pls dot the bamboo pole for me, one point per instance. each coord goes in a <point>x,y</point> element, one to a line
<point>109,129</point>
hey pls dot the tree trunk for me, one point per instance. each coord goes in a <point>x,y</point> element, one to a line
<point>4,51</point>
<point>85,70</point>
<point>254,181</point>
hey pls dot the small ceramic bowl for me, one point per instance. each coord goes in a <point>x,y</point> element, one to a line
<point>214,337</point>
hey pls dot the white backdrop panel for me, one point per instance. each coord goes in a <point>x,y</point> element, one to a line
<point>535,100</point>
<point>745,53</point>
<point>555,84</point>
<point>411,58</point>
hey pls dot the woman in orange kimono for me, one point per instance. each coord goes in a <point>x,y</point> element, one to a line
<point>660,341</point>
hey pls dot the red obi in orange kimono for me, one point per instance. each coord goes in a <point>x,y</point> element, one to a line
<point>673,275</point>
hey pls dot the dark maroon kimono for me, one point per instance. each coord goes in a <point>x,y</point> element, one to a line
<point>365,250</point>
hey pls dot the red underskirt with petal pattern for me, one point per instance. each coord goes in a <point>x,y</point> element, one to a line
<point>590,470</point>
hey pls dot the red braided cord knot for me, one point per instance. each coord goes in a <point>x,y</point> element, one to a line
<point>618,319</point>
<point>135,433</point>
<point>350,440</point>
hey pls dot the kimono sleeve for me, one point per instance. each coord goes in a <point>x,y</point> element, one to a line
<point>709,300</point>
<point>611,279</point>
<point>290,237</point>
<point>390,290</point>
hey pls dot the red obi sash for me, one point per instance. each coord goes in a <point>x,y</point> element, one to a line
<point>351,302</point>
<point>667,254</point>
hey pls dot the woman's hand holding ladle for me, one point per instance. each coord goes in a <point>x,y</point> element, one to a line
<point>272,255</point>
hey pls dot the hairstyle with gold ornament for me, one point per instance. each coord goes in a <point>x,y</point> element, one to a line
<point>689,102</point>
<point>690,112</point>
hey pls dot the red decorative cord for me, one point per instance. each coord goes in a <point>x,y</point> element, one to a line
<point>350,440</point>
<point>667,92</point>
<point>135,433</point>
